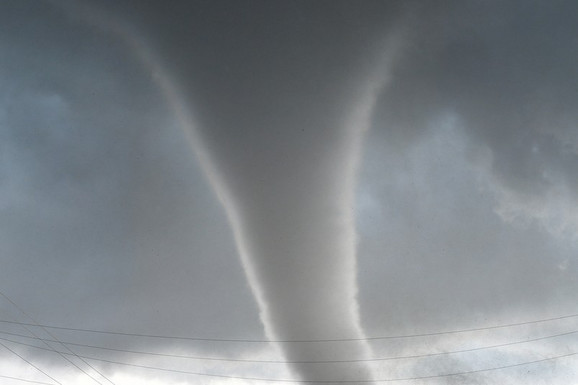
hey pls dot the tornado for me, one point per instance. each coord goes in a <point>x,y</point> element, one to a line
<point>276,97</point>
<point>282,121</point>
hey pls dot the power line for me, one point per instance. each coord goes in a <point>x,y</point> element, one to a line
<point>330,381</point>
<point>25,380</point>
<point>294,341</point>
<point>339,381</point>
<point>482,370</point>
<point>31,364</point>
<point>52,349</point>
<point>52,336</point>
<point>292,362</point>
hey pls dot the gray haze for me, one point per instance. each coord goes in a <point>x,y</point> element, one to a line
<point>465,200</point>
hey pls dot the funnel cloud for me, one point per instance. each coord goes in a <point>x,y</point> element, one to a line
<point>281,118</point>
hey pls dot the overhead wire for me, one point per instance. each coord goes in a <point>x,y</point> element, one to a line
<point>58,341</point>
<point>343,381</point>
<point>290,362</point>
<point>52,349</point>
<point>30,363</point>
<point>224,359</point>
<point>206,339</point>
<point>525,363</point>
<point>25,380</point>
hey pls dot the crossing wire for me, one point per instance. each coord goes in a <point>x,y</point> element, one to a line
<point>289,362</point>
<point>25,380</point>
<point>333,381</point>
<point>338,381</point>
<point>343,381</point>
<point>294,341</point>
<point>31,364</point>
<point>51,348</point>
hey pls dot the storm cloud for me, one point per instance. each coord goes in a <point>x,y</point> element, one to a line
<point>380,168</point>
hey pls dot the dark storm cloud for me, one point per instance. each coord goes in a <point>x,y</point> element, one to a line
<point>507,72</point>
<point>469,184</point>
<point>466,198</point>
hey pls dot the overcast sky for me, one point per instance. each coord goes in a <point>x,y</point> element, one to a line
<point>289,170</point>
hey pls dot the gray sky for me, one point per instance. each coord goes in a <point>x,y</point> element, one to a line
<point>201,169</point>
